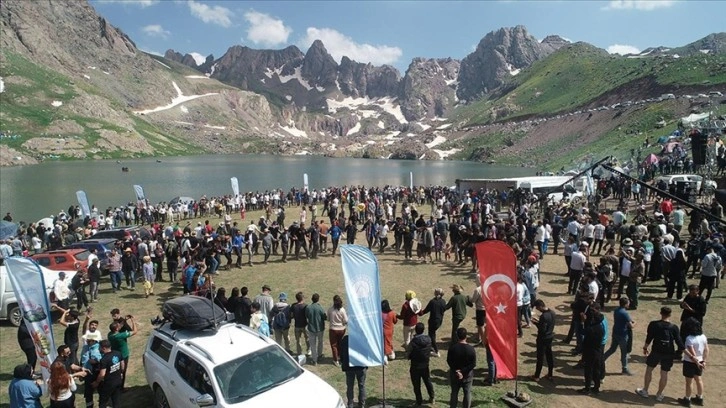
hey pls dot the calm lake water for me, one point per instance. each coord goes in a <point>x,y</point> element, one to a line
<point>34,192</point>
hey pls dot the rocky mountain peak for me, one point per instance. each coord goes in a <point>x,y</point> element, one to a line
<point>500,54</point>
<point>554,42</point>
<point>429,87</point>
<point>318,67</point>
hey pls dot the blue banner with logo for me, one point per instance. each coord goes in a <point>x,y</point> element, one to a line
<point>365,324</point>
<point>30,291</point>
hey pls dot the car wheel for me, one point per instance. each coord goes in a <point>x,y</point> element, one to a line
<point>15,315</point>
<point>160,400</point>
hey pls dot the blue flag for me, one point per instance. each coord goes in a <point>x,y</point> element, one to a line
<point>365,324</point>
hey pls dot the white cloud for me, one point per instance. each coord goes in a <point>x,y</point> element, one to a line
<point>339,45</point>
<point>644,5</point>
<point>266,30</point>
<point>216,14</point>
<point>622,49</point>
<point>140,3</point>
<point>155,30</point>
<point>198,58</point>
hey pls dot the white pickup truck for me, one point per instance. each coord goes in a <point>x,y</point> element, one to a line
<point>9,309</point>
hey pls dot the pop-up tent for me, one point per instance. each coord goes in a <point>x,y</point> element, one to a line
<point>668,148</point>
<point>693,118</point>
<point>8,229</point>
<point>651,160</point>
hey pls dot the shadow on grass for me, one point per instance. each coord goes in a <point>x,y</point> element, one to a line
<point>137,396</point>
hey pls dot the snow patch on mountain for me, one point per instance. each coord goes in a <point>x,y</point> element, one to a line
<point>297,75</point>
<point>437,141</point>
<point>446,153</point>
<point>178,100</point>
<point>387,104</point>
<point>354,129</point>
<point>294,131</point>
<point>167,67</point>
<point>2,85</point>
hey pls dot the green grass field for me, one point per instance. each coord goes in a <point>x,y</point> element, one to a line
<point>324,276</point>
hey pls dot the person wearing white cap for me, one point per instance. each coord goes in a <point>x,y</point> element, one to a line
<point>90,359</point>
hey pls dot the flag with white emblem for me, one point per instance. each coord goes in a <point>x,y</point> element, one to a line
<point>365,325</point>
<point>498,276</point>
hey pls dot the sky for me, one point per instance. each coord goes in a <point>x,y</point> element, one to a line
<point>395,32</point>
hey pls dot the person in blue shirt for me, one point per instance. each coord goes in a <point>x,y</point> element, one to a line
<point>189,278</point>
<point>23,391</point>
<point>622,334</point>
<point>335,232</point>
<point>90,358</point>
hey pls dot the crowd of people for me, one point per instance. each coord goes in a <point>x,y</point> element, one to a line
<point>608,254</point>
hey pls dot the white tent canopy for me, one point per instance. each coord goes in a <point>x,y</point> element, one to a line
<point>694,118</point>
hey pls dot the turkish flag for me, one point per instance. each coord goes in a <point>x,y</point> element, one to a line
<point>498,276</point>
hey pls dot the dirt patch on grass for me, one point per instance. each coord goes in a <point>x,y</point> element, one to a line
<point>64,127</point>
<point>129,142</point>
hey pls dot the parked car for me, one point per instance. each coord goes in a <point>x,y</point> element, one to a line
<point>67,259</point>
<point>103,249</point>
<point>121,233</point>
<point>675,178</point>
<point>9,308</point>
<point>230,366</point>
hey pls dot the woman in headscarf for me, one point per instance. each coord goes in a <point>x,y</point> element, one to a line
<point>389,321</point>
<point>23,391</point>
<point>409,314</point>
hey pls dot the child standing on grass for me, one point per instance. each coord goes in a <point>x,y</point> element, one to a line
<point>447,251</point>
<point>149,276</point>
<point>438,247</point>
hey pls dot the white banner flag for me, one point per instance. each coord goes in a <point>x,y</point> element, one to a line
<point>305,182</point>
<point>30,291</point>
<point>140,197</point>
<point>83,202</point>
<point>235,186</point>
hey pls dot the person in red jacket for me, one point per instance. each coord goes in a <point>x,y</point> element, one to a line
<point>409,315</point>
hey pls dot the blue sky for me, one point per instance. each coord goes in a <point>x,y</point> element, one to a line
<point>394,32</point>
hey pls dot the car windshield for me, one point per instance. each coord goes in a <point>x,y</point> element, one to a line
<point>110,246</point>
<point>253,374</point>
<point>82,256</point>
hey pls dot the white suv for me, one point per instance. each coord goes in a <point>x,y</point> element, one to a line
<point>232,366</point>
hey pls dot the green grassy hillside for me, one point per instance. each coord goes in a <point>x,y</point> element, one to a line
<point>63,112</point>
<point>580,74</point>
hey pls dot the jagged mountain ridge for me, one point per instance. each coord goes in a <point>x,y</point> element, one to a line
<point>300,102</point>
<point>420,97</point>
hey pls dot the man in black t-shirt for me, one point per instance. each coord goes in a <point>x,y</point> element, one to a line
<point>664,336</point>
<point>110,378</point>
<point>461,359</point>
<point>545,335</point>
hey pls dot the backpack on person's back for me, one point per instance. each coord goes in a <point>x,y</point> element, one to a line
<point>281,320</point>
<point>264,328</point>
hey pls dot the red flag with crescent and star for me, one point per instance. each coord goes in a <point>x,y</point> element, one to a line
<point>498,276</point>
